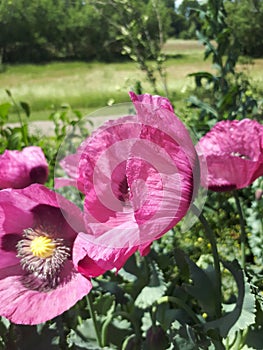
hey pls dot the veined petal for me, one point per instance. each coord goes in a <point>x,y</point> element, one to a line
<point>92,259</point>
<point>22,305</point>
<point>233,151</point>
<point>19,169</point>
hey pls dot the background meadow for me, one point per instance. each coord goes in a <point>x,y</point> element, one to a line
<point>93,85</point>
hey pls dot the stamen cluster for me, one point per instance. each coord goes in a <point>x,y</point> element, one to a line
<point>42,255</point>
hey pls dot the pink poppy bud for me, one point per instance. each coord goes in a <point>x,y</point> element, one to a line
<point>19,169</point>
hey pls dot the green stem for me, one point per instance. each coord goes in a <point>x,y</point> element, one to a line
<point>242,230</point>
<point>211,237</point>
<point>22,125</point>
<point>179,302</point>
<point>94,320</point>
<point>104,331</point>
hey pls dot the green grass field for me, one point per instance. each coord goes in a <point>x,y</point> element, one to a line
<point>90,86</point>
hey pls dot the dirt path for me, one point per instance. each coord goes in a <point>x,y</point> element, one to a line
<point>47,128</point>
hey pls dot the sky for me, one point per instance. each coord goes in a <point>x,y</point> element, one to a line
<point>177,2</point>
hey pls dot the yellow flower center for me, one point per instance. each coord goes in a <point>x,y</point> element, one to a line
<point>42,247</point>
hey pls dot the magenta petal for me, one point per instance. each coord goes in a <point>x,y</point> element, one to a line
<point>233,153</point>
<point>34,289</point>
<point>13,206</point>
<point>154,101</point>
<point>19,169</point>
<point>42,196</point>
<point>70,165</point>
<point>63,182</point>
<point>24,306</point>
<point>139,174</point>
<point>93,260</point>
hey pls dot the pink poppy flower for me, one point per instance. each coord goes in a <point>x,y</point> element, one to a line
<point>38,280</point>
<point>233,151</point>
<point>138,174</point>
<point>19,169</point>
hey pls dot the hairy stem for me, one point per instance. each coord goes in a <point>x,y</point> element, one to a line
<point>243,236</point>
<point>94,319</point>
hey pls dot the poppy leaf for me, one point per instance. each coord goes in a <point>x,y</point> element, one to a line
<point>243,314</point>
<point>153,291</point>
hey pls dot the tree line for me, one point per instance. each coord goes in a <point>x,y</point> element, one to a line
<point>44,30</point>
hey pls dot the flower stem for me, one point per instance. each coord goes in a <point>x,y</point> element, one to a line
<point>243,230</point>
<point>23,127</point>
<point>211,237</point>
<point>94,319</point>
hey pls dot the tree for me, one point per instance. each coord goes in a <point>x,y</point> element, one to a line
<point>245,18</point>
<point>140,28</point>
<point>228,93</point>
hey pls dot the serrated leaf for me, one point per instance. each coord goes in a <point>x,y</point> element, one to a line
<point>83,335</point>
<point>132,267</point>
<point>154,291</point>
<point>146,322</point>
<point>255,239</point>
<point>104,304</point>
<point>180,338</point>
<point>243,314</point>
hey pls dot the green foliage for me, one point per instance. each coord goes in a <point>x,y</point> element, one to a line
<point>226,94</point>
<point>40,30</point>
<point>153,291</point>
<point>245,18</point>
<point>142,40</point>
<point>168,299</point>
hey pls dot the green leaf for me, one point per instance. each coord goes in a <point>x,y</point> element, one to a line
<point>83,336</point>
<point>4,110</point>
<point>255,239</point>
<point>8,92</point>
<point>182,264</point>
<point>203,288</point>
<point>154,291</point>
<point>104,304</point>
<point>39,337</point>
<point>206,107</point>
<point>202,75</point>
<point>243,314</point>
<point>26,108</point>
<point>165,316</point>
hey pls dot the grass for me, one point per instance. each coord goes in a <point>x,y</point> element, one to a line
<point>90,86</point>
